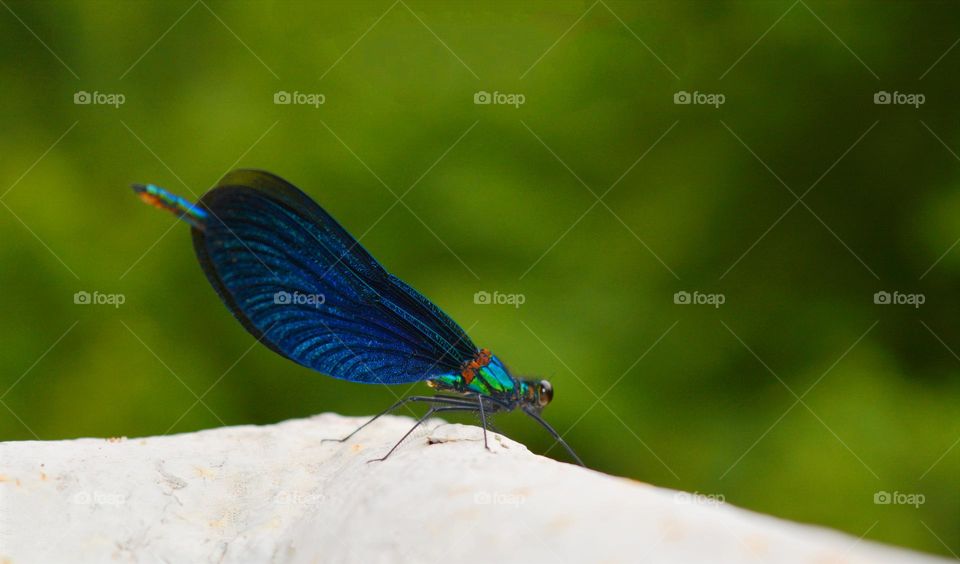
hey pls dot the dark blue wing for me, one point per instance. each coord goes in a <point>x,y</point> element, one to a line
<point>301,284</point>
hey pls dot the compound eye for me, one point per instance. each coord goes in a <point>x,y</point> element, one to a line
<point>546,393</point>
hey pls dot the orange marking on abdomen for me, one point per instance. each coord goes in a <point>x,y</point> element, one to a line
<point>469,369</point>
<point>153,201</point>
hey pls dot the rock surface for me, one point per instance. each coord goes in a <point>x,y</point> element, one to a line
<point>277,494</point>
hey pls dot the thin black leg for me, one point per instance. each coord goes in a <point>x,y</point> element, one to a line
<point>483,421</point>
<point>443,400</point>
<point>555,435</point>
<point>427,415</point>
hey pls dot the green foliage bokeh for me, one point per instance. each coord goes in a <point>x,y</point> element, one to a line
<point>799,396</point>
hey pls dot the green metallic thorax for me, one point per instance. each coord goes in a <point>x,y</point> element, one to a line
<point>491,380</point>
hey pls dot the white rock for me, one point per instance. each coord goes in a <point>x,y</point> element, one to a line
<point>277,494</point>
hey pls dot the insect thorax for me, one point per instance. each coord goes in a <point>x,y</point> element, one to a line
<point>484,375</point>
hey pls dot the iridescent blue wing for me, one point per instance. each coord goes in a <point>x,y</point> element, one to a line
<point>302,285</point>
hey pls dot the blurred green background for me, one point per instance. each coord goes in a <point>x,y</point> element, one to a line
<point>799,396</point>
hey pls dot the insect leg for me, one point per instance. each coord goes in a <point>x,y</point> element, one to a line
<point>398,404</point>
<point>555,435</point>
<point>427,415</point>
<point>483,421</point>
